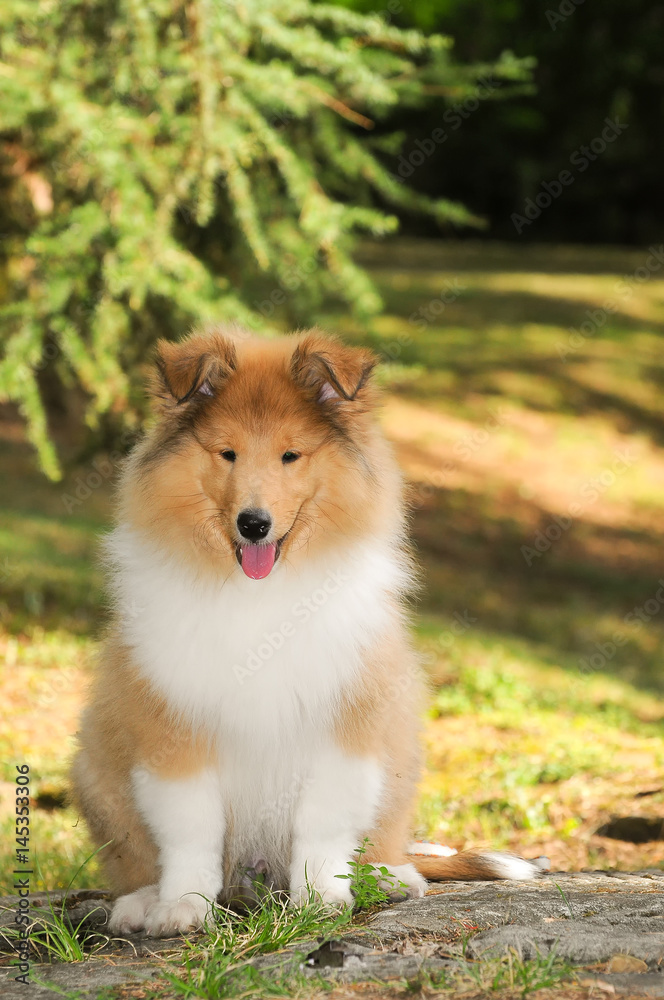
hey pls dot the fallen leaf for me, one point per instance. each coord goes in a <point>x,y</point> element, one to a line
<point>598,984</point>
<point>625,963</point>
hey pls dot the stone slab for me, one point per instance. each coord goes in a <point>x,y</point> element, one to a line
<point>589,918</point>
<point>88,977</point>
<point>554,907</point>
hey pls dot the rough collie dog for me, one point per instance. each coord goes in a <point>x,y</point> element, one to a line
<point>256,707</point>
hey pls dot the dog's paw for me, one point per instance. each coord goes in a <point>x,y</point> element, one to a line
<point>326,888</point>
<point>128,913</point>
<point>403,882</point>
<point>168,917</point>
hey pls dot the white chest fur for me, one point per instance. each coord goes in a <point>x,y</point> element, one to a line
<point>252,659</point>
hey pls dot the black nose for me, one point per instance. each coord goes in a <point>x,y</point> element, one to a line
<point>253,524</point>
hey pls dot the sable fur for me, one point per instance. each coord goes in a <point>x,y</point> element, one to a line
<point>175,698</point>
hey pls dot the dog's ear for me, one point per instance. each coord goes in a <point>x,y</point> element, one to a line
<point>193,368</point>
<point>333,372</point>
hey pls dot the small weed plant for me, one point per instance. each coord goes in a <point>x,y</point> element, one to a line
<point>371,886</point>
<point>54,936</point>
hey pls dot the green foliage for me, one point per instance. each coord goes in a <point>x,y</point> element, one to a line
<point>215,964</point>
<point>52,934</point>
<point>520,976</point>
<point>368,882</point>
<point>165,163</point>
<point>56,940</point>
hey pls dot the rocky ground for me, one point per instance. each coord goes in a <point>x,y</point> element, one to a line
<point>609,926</point>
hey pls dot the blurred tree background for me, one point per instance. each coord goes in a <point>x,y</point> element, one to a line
<point>169,163</point>
<point>594,61</point>
<point>162,164</point>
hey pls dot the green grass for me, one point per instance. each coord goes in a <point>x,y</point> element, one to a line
<point>521,977</point>
<point>51,934</point>
<point>557,752</point>
<point>54,939</point>
<point>497,434</point>
<point>49,574</point>
<point>216,965</point>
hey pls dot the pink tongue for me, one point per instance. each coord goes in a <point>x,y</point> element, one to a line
<point>258,560</point>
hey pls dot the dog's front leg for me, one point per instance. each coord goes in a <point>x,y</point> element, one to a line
<point>337,807</point>
<point>186,819</point>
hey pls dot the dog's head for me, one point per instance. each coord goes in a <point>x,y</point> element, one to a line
<point>262,449</point>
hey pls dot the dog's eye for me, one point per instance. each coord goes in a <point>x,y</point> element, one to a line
<point>228,454</point>
<point>289,456</point>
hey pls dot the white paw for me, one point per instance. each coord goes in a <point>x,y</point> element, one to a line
<point>166,918</point>
<point>325,886</point>
<point>403,882</point>
<point>128,914</point>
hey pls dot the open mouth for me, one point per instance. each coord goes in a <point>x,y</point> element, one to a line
<point>257,561</point>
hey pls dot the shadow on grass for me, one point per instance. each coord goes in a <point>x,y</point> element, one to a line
<point>547,386</point>
<point>485,256</point>
<point>49,567</point>
<point>589,596</point>
<point>618,372</point>
<point>479,308</point>
<point>505,328</point>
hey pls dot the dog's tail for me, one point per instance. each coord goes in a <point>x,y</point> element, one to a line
<point>471,866</point>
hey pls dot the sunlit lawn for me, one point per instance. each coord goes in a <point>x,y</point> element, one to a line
<point>547,709</point>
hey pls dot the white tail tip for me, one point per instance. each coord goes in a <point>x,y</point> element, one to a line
<point>509,866</point>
